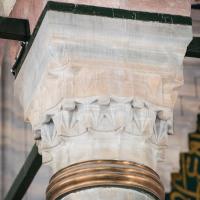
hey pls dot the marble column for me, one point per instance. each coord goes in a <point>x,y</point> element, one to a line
<point>98,86</point>
<point>6,7</point>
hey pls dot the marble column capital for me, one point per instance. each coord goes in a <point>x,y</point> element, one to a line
<point>102,85</point>
<point>79,56</point>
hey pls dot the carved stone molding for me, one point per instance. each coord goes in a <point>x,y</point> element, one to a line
<point>102,85</point>
<point>113,122</point>
<point>83,54</point>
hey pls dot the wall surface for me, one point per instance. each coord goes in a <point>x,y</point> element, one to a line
<point>16,137</point>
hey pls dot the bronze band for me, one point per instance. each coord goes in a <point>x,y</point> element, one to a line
<point>104,173</point>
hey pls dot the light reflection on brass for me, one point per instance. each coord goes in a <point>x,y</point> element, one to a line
<point>104,173</point>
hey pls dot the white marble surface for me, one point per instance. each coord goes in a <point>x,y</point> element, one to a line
<point>6,7</point>
<point>78,64</point>
<point>78,56</point>
<point>104,128</point>
<point>108,194</point>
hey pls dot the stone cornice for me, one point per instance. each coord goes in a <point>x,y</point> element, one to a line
<point>149,53</point>
<point>104,12</point>
<point>101,83</point>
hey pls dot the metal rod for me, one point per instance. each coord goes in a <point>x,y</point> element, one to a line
<point>14,29</point>
<point>25,176</point>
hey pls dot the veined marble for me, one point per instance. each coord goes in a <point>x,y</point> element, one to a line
<point>6,7</point>
<point>109,128</point>
<point>78,56</point>
<point>108,193</point>
<point>102,88</point>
